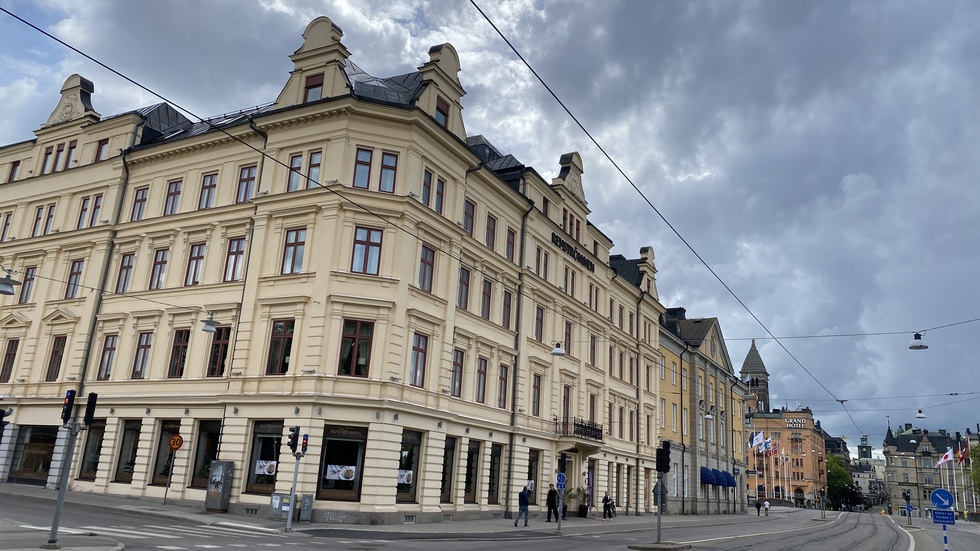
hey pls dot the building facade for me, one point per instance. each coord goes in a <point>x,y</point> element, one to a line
<point>912,464</point>
<point>442,321</point>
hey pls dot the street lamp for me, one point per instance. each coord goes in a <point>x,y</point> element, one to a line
<point>558,350</point>
<point>919,415</point>
<point>917,342</point>
<point>7,283</point>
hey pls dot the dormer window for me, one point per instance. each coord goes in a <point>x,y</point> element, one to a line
<point>314,88</point>
<point>442,111</point>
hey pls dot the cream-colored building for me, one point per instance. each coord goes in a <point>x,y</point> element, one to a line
<point>371,274</point>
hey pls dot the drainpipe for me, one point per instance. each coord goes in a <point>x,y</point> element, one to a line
<point>636,496</point>
<point>512,436</point>
<point>684,483</point>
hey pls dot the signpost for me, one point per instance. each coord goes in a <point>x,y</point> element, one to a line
<point>560,484</point>
<point>176,441</point>
<point>943,500</point>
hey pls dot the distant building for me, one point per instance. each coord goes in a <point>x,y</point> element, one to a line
<point>911,456</point>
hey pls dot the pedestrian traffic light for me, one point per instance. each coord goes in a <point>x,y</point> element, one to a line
<point>293,437</point>
<point>90,408</point>
<point>66,409</point>
<point>562,462</point>
<point>306,442</point>
<point>906,494</point>
<point>666,456</point>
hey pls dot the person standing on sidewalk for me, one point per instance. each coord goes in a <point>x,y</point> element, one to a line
<point>522,504</point>
<point>607,507</point>
<point>766,506</point>
<point>758,509</point>
<point>552,502</point>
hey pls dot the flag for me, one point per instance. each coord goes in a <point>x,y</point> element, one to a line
<point>963,455</point>
<point>757,439</point>
<point>773,450</point>
<point>947,457</point>
<point>765,445</point>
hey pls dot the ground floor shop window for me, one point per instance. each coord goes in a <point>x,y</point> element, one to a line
<point>127,451</point>
<point>448,462</point>
<point>93,449</point>
<point>533,466</point>
<point>408,466</point>
<point>471,478</point>
<point>264,463</point>
<point>493,485</point>
<point>206,451</point>
<point>32,454</point>
<point>342,463</point>
<point>164,457</point>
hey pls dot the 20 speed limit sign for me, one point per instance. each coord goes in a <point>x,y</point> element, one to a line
<point>176,441</point>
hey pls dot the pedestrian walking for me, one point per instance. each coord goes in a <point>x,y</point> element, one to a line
<point>522,503</point>
<point>758,509</point>
<point>766,507</point>
<point>552,502</point>
<point>607,507</point>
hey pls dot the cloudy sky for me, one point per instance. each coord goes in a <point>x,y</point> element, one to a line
<point>821,157</point>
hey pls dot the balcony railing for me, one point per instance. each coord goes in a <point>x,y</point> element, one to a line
<point>573,426</point>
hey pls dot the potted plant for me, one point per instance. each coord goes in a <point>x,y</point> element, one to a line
<point>577,499</point>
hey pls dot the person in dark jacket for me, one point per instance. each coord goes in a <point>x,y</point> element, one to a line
<point>552,502</point>
<point>522,504</point>
<point>758,508</point>
<point>607,507</point>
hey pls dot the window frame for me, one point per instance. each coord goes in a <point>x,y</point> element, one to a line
<point>74,282</point>
<point>126,263</point>
<point>209,188</point>
<point>366,254</point>
<point>480,392</point>
<point>102,150</point>
<point>59,343</point>
<point>463,289</point>
<point>389,170</point>
<point>418,361</point>
<point>110,343</point>
<point>427,268</point>
<point>234,259</point>
<point>280,356</point>
<point>172,202</point>
<point>140,196</point>
<point>313,88</point>
<point>141,359</point>
<point>293,251</point>
<point>158,273</point>
<point>218,353</point>
<point>246,184</point>
<point>456,376</point>
<point>314,162</point>
<point>362,168</point>
<point>491,232</point>
<point>195,264</point>
<point>178,353</point>
<point>469,216</point>
<point>442,112</point>
<point>295,172</point>
<point>487,299</point>
<point>27,287</point>
<point>354,339</point>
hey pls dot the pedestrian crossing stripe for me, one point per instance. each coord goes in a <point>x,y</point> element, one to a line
<point>48,528</point>
<point>129,532</point>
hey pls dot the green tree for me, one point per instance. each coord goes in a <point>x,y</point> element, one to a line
<point>975,466</point>
<point>840,483</point>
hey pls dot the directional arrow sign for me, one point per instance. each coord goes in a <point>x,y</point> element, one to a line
<point>942,499</point>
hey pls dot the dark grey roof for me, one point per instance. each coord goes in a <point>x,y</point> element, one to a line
<point>400,90</point>
<point>753,361</point>
<point>628,270</point>
<point>186,129</point>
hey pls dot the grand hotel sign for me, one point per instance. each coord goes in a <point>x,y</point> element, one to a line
<point>796,423</point>
<point>572,251</point>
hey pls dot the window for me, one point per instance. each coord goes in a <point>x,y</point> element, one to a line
<point>313,169</point>
<point>511,239</point>
<point>481,380</point>
<point>487,297</point>
<point>426,268</point>
<point>622,424</point>
<point>14,171</point>
<point>74,278</point>
<point>389,165</point>
<point>195,264</point>
<point>314,88</point>
<point>545,206</point>
<point>663,413</point>
<point>49,220</point>
<point>126,463</point>
<point>471,476</point>
<point>568,338</point>
<point>463,291</point>
<point>456,379</point>
<point>142,360</point>
<point>538,323</point>
<point>8,218</point>
<point>663,368</point>
<point>343,447</point>
<point>9,355</point>
<point>47,166</point>
<point>566,401</point>
<point>139,203</point>
<point>280,345</point>
<point>544,266</point>
<point>220,342</point>
<point>367,251</point>
<point>83,213</point>
<point>70,158</point>
<point>440,194</point>
<point>426,187</point>
<point>209,185</point>
<point>264,458</point>
<point>631,324</point>
<point>92,450</point>
<point>292,253</point>
<point>28,285</point>
<point>408,467</point>
<point>126,263</point>
<point>673,417</point>
<point>621,310</point>
<point>355,348</point>
<point>491,235</point>
<point>38,219</point>
<point>235,261</point>
<point>57,355</point>
<point>505,310</point>
<point>362,168</point>
<point>173,197</point>
<point>469,213</point>
<point>420,346</point>
<point>102,150</point>
<point>502,388</point>
<point>536,395</point>
<point>246,184</point>
<point>442,111</point>
<point>108,355</point>
<point>178,354</point>
<point>96,210</point>
<point>159,271</point>
<point>592,407</point>
<point>592,349</point>
<point>205,451</point>
<point>537,260</point>
<point>295,173</point>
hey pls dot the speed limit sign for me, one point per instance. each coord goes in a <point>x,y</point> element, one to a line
<point>176,441</point>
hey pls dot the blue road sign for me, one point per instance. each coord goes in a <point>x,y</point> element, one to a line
<point>909,507</point>
<point>943,517</point>
<point>561,485</point>
<point>942,499</point>
<point>561,478</point>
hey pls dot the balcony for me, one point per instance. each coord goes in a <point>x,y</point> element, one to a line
<point>578,428</point>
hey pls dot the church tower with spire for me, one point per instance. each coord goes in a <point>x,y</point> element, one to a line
<point>754,374</point>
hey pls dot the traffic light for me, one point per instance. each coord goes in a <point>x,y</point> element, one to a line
<point>906,494</point>
<point>66,409</point>
<point>90,408</point>
<point>5,413</point>
<point>562,462</point>
<point>306,442</point>
<point>665,457</point>
<point>293,438</point>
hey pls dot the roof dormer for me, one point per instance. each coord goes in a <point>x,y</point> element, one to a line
<point>649,271</point>
<point>443,91</point>
<point>570,176</point>
<point>318,66</point>
<point>75,103</point>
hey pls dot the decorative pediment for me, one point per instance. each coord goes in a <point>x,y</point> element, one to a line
<point>75,103</point>
<point>15,319</point>
<point>61,315</point>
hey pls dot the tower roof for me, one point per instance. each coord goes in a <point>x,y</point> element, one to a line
<point>753,362</point>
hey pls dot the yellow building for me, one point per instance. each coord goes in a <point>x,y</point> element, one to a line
<point>364,270</point>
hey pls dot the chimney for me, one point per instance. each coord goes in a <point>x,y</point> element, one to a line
<point>677,313</point>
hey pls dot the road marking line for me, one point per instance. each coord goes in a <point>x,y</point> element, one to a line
<point>170,547</point>
<point>207,546</point>
<point>48,528</point>
<point>130,533</point>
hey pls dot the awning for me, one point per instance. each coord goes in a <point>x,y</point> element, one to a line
<point>707,477</point>
<point>719,478</point>
<point>730,478</point>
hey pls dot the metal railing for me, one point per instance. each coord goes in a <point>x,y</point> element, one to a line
<point>574,426</point>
